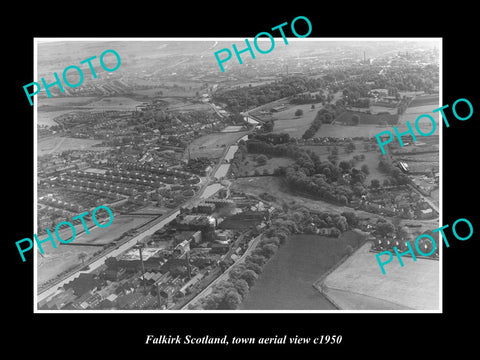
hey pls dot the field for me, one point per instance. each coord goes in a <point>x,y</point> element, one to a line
<point>176,104</point>
<point>339,131</point>
<point>55,261</point>
<point>432,100</point>
<point>46,117</point>
<point>212,145</point>
<point>69,101</point>
<point>371,158</point>
<point>58,144</point>
<point>275,187</point>
<point>412,113</point>
<point>250,165</point>
<point>168,91</point>
<point>295,126</point>
<point>114,103</point>
<point>366,119</point>
<point>359,283</point>
<point>87,103</point>
<point>286,282</point>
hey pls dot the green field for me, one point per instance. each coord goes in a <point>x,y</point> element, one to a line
<point>55,261</point>
<point>425,125</point>
<point>53,144</point>
<point>338,130</point>
<point>212,145</point>
<point>295,126</point>
<point>358,284</point>
<point>250,165</point>
<point>286,281</point>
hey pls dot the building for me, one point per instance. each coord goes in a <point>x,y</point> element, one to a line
<point>131,259</point>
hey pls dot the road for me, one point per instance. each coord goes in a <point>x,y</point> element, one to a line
<point>429,201</point>
<point>53,289</point>
<point>99,262</point>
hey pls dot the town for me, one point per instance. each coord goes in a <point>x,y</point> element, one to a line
<point>223,185</point>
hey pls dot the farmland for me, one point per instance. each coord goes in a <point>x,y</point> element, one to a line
<point>286,282</point>
<point>295,126</point>
<point>358,284</point>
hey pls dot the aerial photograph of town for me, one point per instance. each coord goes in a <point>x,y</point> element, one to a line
<point>259,188</point>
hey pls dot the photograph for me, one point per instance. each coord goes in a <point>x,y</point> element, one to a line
<point>236,175</point>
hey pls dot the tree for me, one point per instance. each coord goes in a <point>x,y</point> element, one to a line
<point>261,159</point>
<point>82,256</point>
<point>375,183</point>
<point>349,250</point>
<point>242,287</point>
<point>365,169</point>
<point>257,259</point>
<point>345,166</point>
<point>335,232</point>
<point>236,272</point>
<point>299,112</point>
<point>255,267</point>
<point>249,276</point>
<point>313,106</point>
<point>232,300</point>
<point>269,250</point>
<point>385,228</point>
<point>350,147</point>
<point>355,119</point>
<point>351,218</point>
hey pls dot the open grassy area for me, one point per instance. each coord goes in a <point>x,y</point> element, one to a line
<point>213,145</point>
<point>295,126</point>
<point>372,158</point>
<point>338,130</point>
<point>414,286</point>
<point>55,144</point>
<point>56,261</point>
<point>412,113</point>
<point>286,281</point>
<point>249,165</point>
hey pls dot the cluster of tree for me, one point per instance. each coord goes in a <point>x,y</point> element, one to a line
<point>397,177</point>
<point>402,106</point>
<point>267,126</point>
<point>314,126</point>
<point>228,294</point>
<point>353,91</point>
<point>384,228</point>
<point>324,179</point>
<point>238,158</point>
<point>241,98</point>
<point>272,138</point>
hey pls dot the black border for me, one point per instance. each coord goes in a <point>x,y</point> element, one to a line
<point>371,333</point>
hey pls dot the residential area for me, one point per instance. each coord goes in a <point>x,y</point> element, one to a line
<point>224,185</point>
